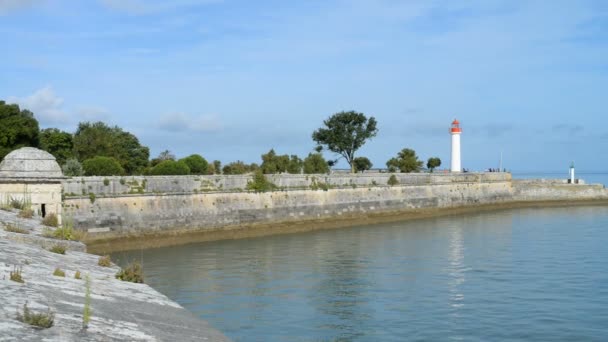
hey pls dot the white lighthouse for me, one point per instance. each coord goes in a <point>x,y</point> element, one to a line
<point>455,131</point>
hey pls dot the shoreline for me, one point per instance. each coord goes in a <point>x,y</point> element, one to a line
<point>177,237</point>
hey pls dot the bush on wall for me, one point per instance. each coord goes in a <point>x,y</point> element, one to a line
<point>197,164</point>
<point>102,166</point>
<point>170,168</point>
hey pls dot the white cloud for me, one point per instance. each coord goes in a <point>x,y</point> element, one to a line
<point>45,104</point>
<point>180,122</point>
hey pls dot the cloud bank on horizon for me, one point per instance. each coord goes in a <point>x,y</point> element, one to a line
<point>231,79</point>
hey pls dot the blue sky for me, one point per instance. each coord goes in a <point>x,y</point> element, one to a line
<point>232,79</point>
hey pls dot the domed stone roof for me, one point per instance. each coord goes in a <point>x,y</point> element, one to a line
<point>28,163</point>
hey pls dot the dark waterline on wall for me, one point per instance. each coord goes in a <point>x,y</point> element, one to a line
<point>524,274</point>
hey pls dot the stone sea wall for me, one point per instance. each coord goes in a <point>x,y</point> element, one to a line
<point>114,208</point>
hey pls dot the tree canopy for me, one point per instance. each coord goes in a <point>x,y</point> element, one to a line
<point>170,168</point>
<point>345,132</point>
<point>315,163</point>
<point>362,164</point>
<point>433,163</point>
<point>197,164</point>
<point>58,143</point>
<point>19,128</point>
<point>102,166</point>
<point>99,139</point>
<point>406,161</point>
<point>273,163</point>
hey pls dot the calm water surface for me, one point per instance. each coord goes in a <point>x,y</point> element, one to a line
<point>525,274</point>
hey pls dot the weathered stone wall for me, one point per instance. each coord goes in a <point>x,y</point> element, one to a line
<point>150,212</point>
<point>110,186</point>
<point>36,194</point>
<point>530,190</point>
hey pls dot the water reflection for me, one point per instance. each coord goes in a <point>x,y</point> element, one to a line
<point>520,275</point>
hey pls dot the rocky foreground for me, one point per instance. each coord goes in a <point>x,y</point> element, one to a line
<point>120,311</point>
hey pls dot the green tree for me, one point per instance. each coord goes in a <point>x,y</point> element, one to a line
<point>72,168</point>
<point>315,163</point>
<point>406,161</point>
<point>197,164</point>
<point>295,164</point>
<point>218,166</point>
<point>235,168</point>
<point>99,139</point>
<point>170,168</point>
<point>362,164</point>
<point>433,163</point>
<point>18,128</point>
<point>344,133</point>
<point>102,166</point>
<point>57,143</point>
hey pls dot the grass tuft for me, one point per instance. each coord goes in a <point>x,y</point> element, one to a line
<point>41,320</point>
<point>77,275</point>
<point>15,229</point>
<point>133,273</point>
<point>26,213</point>
<point>50,220</point>
<point>59,249</point>
<point>16,275</point>
<point>104,261</point>
<point>58,272</point>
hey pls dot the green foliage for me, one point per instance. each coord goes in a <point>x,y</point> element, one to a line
<point>260,183</point>
<point>237,168</point>
<point>98,139</point>
<point>15,229</point>
<point>197,164</point>
<point>170,167</point>
<point>362,164</point>
<point>59,249</point>
<point>72,168</point>
<point>58,272</point>
<point>218,166</point>
<point>345,132</point>
<point>406,161</point>
<point>317,185</point>
<point>58,143</point>
<point>102,166</point>
<point>40,320</point>
<point>50,220</point>
<point>315,163</point>
<point>92,197</point>
<point>87,312</point>
<point>16,276</point>
<point>433,163</point>
<point>273,163</point>
<point>67,232</point>
<point>19,128</point>
<point>164,155</point>
<point>20,204</point>
<point>106,182</point>
<point>392,180</point>
<point>104,261</point>
<point>133,273</point>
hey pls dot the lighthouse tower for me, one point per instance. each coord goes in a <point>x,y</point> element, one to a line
<point>455,130</point>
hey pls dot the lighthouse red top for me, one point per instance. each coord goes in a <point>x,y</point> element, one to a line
<point>455,127</point>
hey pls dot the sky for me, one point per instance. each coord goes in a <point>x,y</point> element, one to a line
<point>231,79</point>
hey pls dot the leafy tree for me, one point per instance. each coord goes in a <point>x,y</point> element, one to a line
<point>260,183</point>
<point>362,164</point>
<point>18,128</point>
<point>273,163</point>
<point>197,164</point>
<point>169,168</point>
<point>345,132</point>
<point>99,139</point>
<point>432,163</point>
<point>392,180</point>
<point>315,163</point>
<point>57,143</point>
<point>72,168</point>
<point>102,166</point>
<point>295,164</point>
<point>211,169</point>
<point>235,168</point>
<point>218,166</point>
<point>164,155</point>
<point>406,161</point>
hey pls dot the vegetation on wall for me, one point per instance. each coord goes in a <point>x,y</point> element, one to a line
<point>197,164</point>
<point>406,161</point>
<point>170,167</point>
<point>102,166</point>
<point>315,163</point>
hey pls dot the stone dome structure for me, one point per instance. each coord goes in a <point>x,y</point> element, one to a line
<point>28,163</point>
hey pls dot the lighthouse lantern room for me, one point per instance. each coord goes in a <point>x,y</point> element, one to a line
<point>455,131</point>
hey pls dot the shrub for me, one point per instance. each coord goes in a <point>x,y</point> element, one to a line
<point>59,249</point>
<point>102,166</point>
<point>66,232</point>
<point>104,261</point>
<point>362,164</point>
<point>18,204</point>
<point>106,182</point>
<point>50,220</point>
<point>15,229</point>
<point>72,168</point>
<point>197,164</point>
<point>26,213</point>
<point>392,180</point>
<point>315,163</point>
<point>15,275</point>
<point>260,183</point>
<point>77,275</point>
<point>170,167</point>
<point>236,168</point>
<point>59,272</point>
<point>92,197</point>
<point>133,273</point>
<point>41,320</point>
